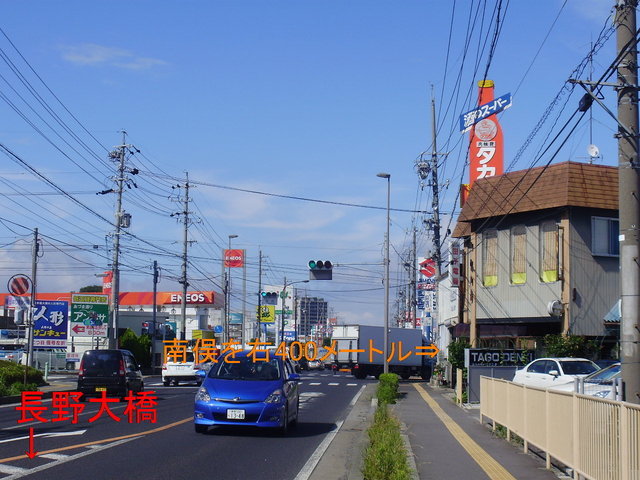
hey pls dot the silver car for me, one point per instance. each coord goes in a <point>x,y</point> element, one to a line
<point>551,372</point>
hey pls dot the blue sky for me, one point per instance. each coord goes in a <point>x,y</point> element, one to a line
<point>301,98</point>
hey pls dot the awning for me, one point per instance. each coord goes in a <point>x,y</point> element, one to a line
<point>614,315</point>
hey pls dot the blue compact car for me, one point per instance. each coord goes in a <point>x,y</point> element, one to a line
<point>259,390</point>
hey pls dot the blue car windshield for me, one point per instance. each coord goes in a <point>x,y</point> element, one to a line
<point>246,369</point>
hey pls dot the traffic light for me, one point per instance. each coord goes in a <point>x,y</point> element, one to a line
<point>320,270</point>
<point>269,298</point>
<point>145,328</point>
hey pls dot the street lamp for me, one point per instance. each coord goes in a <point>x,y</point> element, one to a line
<point>227,293</point>
<point>284,307</point>
<point>386,277</point>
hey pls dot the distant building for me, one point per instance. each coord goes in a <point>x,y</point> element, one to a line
<point>312,312</point>
<point>540,256</point>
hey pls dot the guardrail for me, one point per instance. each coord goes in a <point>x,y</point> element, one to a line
<point>599,439</point>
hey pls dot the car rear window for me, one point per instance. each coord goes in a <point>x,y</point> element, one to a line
<point>578,367</point>
<point>97,362</point>
<point>247,369</point>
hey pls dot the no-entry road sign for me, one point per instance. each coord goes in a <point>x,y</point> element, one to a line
<point>19,285</point>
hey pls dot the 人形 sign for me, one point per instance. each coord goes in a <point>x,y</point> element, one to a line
<point>89,315</point>
<point>50,324</point>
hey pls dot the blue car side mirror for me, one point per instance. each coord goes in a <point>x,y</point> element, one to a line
<point>293,377</point>
<point>201,373</point>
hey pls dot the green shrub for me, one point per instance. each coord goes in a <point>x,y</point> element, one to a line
<point>385,457</point>
<point>12,373</point>
<point>388,388</point>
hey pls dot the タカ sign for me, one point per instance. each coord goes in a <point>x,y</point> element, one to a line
<point>487,357</point>
<point>89,315</point>
<point>50,319</point>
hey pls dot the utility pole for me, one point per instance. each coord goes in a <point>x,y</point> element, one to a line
<point>185,246</point>
<point>243,338</point>
<point>259,311</point>
<point>414,261</point>
<point>434,180</point>
<point>629,190</point>
<point>155,309</point>
<point>115,296</point>
<point>34,270</point>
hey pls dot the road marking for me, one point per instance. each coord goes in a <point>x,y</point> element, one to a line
<point>357,396</point>
<point>12,470</point>
<point>308,467</point>
<point>333,384</point>
<point>492,468</point>
<point>98,442</point>
<point>54,456</point>
<point>67,458</point>
<point>314,383</point>
<point>52,434</point>
<point>352,384</point>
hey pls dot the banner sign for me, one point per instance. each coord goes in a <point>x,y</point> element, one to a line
<point>493,357</point>
<point>89,315</point>
<point>454,262</point>
<point>235,318</point>
<point>267,313</point>
<point>50,319</point>
<point>469,119</point>
<point>107,282</point>
<point>486,143</point>
<point>233,258</point>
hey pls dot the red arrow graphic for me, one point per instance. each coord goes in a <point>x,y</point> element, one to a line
<point>31,453</point>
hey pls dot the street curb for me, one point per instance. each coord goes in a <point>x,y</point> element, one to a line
<point>411,459</point>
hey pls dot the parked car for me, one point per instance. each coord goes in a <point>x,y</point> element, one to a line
<point>599,384</point>
<point>259,391</point>
<point>112,371</point>
<point>550,372</point>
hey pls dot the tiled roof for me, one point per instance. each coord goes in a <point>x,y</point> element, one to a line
<point>559,185</point>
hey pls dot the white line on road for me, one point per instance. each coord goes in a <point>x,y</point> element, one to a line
<point>315,383</point>
<point>311,464</point>
<point>308,467</point>
<point>333,384</point>
<point>352,384</point>
<point>12,470</point>
<point>52,434</point>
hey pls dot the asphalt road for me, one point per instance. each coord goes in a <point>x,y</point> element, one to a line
<point>170,448</point>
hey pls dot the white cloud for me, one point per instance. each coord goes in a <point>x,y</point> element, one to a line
<point>91,54</point>
<point>593,9</point>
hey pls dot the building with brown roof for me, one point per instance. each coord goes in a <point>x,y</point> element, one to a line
<point>540,255</point>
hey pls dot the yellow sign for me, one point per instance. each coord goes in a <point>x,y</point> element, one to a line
<point>267,313</point>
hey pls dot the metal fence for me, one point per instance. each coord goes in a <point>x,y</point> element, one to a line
<point>599,439</point>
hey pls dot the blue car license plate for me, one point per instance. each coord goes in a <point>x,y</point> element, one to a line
<point>235,414</point>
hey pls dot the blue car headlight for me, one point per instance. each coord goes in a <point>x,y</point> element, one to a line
<point>275,397</point>
<point>203,395</point>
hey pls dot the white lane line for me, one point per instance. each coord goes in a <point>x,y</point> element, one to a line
<point>333,384</point>
<point>352,384</point>
<point>314,383</point>
<point>357,396</point>
<point>28,471</point>
<point>12,470</point>
<point>54,456</point>
<point>308,467</point>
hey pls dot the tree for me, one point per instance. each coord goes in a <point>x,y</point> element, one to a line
<point>456,352</point>
<point>91,289</point>
<point>140,346</point>
<point>569,346</point>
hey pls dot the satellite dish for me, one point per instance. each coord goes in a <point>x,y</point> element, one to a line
<point>593,151</point>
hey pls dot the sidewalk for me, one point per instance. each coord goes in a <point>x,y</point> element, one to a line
<point>446,441</point>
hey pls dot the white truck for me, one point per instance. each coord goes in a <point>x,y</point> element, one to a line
<point>176,372</point>
<point>358,348</point>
